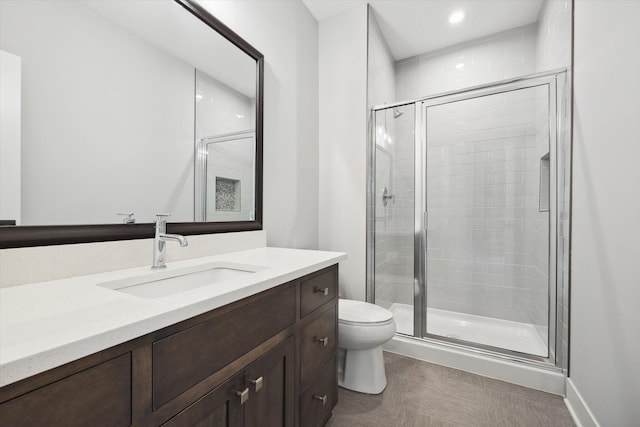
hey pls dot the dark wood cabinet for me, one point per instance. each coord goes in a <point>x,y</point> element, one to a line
<point>261,395</point>
<point>319,396</point>
<point>271,388</point>
<point>318,289</point>
<point>183,359</point>
<point>317,342</point>
<point>255,362</point>
<point>100,395</point>
<point>220,407</point>
<point>318,347</point>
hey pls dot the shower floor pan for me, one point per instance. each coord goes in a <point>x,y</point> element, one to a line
<point>516,336</point>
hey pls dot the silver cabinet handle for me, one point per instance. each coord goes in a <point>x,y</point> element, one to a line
<point>324,341</point>
<point>244,395</point>
<point>324,291</point>
<point>258,383</point>
<point>323,398</point>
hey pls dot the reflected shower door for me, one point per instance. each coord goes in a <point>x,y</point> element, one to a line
<point>393,204</point>
<point>488,201</point>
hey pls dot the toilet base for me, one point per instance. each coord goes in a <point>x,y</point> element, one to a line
<point>363,371</point>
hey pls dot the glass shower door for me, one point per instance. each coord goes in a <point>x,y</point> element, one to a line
<point>393,204</point>
<point>488,203</point>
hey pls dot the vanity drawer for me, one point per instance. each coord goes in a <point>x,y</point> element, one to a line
<point>318,290</point>
<point>317,342</point>
<point>319,398</point>
<point>100,395</point>
<point>184,359</point>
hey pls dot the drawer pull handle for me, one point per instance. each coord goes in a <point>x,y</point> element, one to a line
<point>258,383</point>
<point>324,291</point>
<point>323,399</point>
<point>244,395</point>
<point>324,341</point>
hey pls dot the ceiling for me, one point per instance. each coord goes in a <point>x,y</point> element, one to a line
<point>184,37</point>
<point>413,27</point>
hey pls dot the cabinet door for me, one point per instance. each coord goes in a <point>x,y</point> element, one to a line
<point>221,407</point>
<point>99,395</point>
<point>270,381</point>
<point>320,396</point>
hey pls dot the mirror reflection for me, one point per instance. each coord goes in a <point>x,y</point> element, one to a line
<point>123,107</point>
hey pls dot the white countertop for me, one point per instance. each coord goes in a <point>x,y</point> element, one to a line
<point>47,324</point>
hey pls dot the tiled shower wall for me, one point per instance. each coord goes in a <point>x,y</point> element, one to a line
<point>553,52</point>
<point>482,199</point>
<point>540,299</point>
<point>489,59</point>
<point>392,227</point>
<point>507,54</point>
<point>395,221</point>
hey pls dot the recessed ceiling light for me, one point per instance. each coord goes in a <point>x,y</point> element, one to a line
<point>460,66</point>
<point>456,17</point>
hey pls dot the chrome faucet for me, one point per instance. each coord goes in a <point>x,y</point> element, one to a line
<point>160,240</point>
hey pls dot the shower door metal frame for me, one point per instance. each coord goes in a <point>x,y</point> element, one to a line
<point>422,213</point>
<point>202,167</point>
<point>555,80</point>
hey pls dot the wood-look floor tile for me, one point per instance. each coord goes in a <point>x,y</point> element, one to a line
<point>421,394</point>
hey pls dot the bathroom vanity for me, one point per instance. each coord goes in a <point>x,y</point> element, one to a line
<point>259,349</point>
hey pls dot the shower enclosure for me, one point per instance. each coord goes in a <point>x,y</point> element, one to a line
<point>466,191</point>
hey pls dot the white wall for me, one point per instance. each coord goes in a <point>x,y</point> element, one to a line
<point>10,139</point>
<point>343,143</point>
<point>220,109</point>
<point>381,74</point>
<point>489,59</point>
<point>69,129</point>
<point>553,35</point>
<point>61,261</point>
<point>605,274</point>
<point>287,35</point>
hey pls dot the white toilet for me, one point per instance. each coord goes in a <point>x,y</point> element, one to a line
<point>362,329</point>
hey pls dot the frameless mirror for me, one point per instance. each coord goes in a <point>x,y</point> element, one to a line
<point>126,107</point>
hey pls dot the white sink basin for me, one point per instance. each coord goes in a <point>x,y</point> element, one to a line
<point>163,283</point>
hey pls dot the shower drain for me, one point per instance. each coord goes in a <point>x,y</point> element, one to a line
<point>458,337</point>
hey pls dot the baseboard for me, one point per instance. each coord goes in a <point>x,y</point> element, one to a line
<point>503,370</point>
<point>578,408</point>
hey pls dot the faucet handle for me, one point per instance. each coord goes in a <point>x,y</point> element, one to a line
<point>128,218</point>
<point>161,223</point>
<point>162,217</point>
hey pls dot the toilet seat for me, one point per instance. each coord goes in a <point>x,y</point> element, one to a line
<point>360,313</point>
<point>366,324</point>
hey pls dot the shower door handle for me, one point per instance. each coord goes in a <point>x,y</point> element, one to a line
<point>425,221</point>
<point>386,196</point>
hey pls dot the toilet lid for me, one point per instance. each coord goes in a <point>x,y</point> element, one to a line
<point>362,312</point>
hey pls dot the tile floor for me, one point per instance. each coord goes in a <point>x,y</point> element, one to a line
<point>423,394</point>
